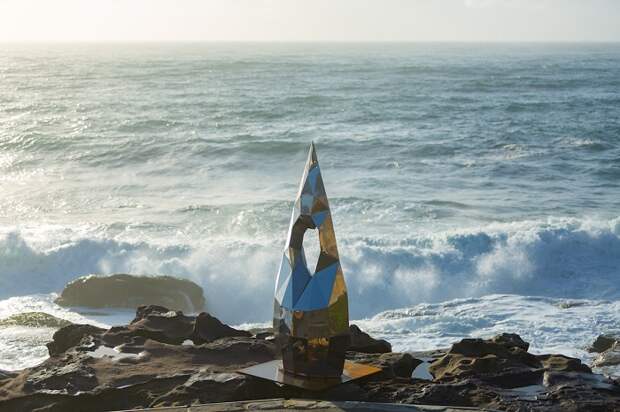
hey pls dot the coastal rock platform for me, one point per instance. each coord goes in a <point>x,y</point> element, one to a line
<point>165,358</point>
<point>310,405</point>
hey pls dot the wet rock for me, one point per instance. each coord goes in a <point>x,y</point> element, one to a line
<point>70,336</point>
<point>602,343</point>
<point>610,357</point>
<point>130,291</point>
<point>363,342</point>
<point>35,320</point>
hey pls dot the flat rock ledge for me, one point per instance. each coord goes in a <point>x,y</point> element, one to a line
<point>167,359</point>
<point>309,405</point>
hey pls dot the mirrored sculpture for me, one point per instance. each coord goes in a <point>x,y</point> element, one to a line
<point>311,311</point>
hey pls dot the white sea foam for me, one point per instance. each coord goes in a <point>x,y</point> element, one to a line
<point>549,325</point>
<point>566,258</point>
<point>22,347</point>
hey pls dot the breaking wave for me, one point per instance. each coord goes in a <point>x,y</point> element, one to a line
<point>563,258</point>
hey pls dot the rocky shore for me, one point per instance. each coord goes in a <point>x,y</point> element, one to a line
<point>167,358</point>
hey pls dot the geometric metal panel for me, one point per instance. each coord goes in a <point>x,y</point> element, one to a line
<point>311,310</point>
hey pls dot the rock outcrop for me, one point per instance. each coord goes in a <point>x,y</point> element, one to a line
<point>35,320</point>
<point>70,336</point>
<point>6,375</point>
<point>171,327</point>
<point>130,291</point>
<point>167,358</point>
<point>603,342</point>
<point>363,342</point>
<point>609,357</point>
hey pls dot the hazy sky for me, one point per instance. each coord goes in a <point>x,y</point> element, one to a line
<point>310,20</point>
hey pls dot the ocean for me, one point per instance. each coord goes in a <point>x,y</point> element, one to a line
<point>475,188</point>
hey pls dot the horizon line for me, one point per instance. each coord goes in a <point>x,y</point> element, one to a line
<point>180,41</point>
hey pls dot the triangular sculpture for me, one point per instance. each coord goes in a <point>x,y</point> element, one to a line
<point>311,311</point>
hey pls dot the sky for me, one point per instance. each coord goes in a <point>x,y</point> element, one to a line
<point>309,20</point>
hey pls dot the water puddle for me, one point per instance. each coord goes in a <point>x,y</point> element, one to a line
<point>421,371</point>
<point>114,354</point>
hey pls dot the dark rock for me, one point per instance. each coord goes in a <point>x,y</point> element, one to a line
<point>35,320</point>
<point>143,311</point>
<point>70,336</point>
<point>554,378</point>
<point>567,304</point>
<point>262,333</point>
<point>403,364</point>
<point>130,291</point>
<point>511,340</point>
<point>70,378</point>
<point>561,363</point>
<point>207,387</point>
<point>6,375</point>
<point>156,323</point>
<point>166,326</point>
<point>363,342</point>
<point>348,392</point>
<point>392,364</point>
<point>445,394</point>
<point>479,357</point>
<point>573,391</point>
<point>602,343</point>
<point>610,357</point>
<point>208,328</point>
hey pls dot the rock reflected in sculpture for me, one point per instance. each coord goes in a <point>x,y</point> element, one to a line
<point>311,311</point>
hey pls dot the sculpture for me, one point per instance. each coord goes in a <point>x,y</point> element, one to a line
<point>311,312</point>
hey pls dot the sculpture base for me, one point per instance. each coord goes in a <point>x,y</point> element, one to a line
<point>273,371</point>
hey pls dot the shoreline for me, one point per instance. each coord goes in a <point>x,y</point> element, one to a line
<point>166,358</point>
<point>107,317</point>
